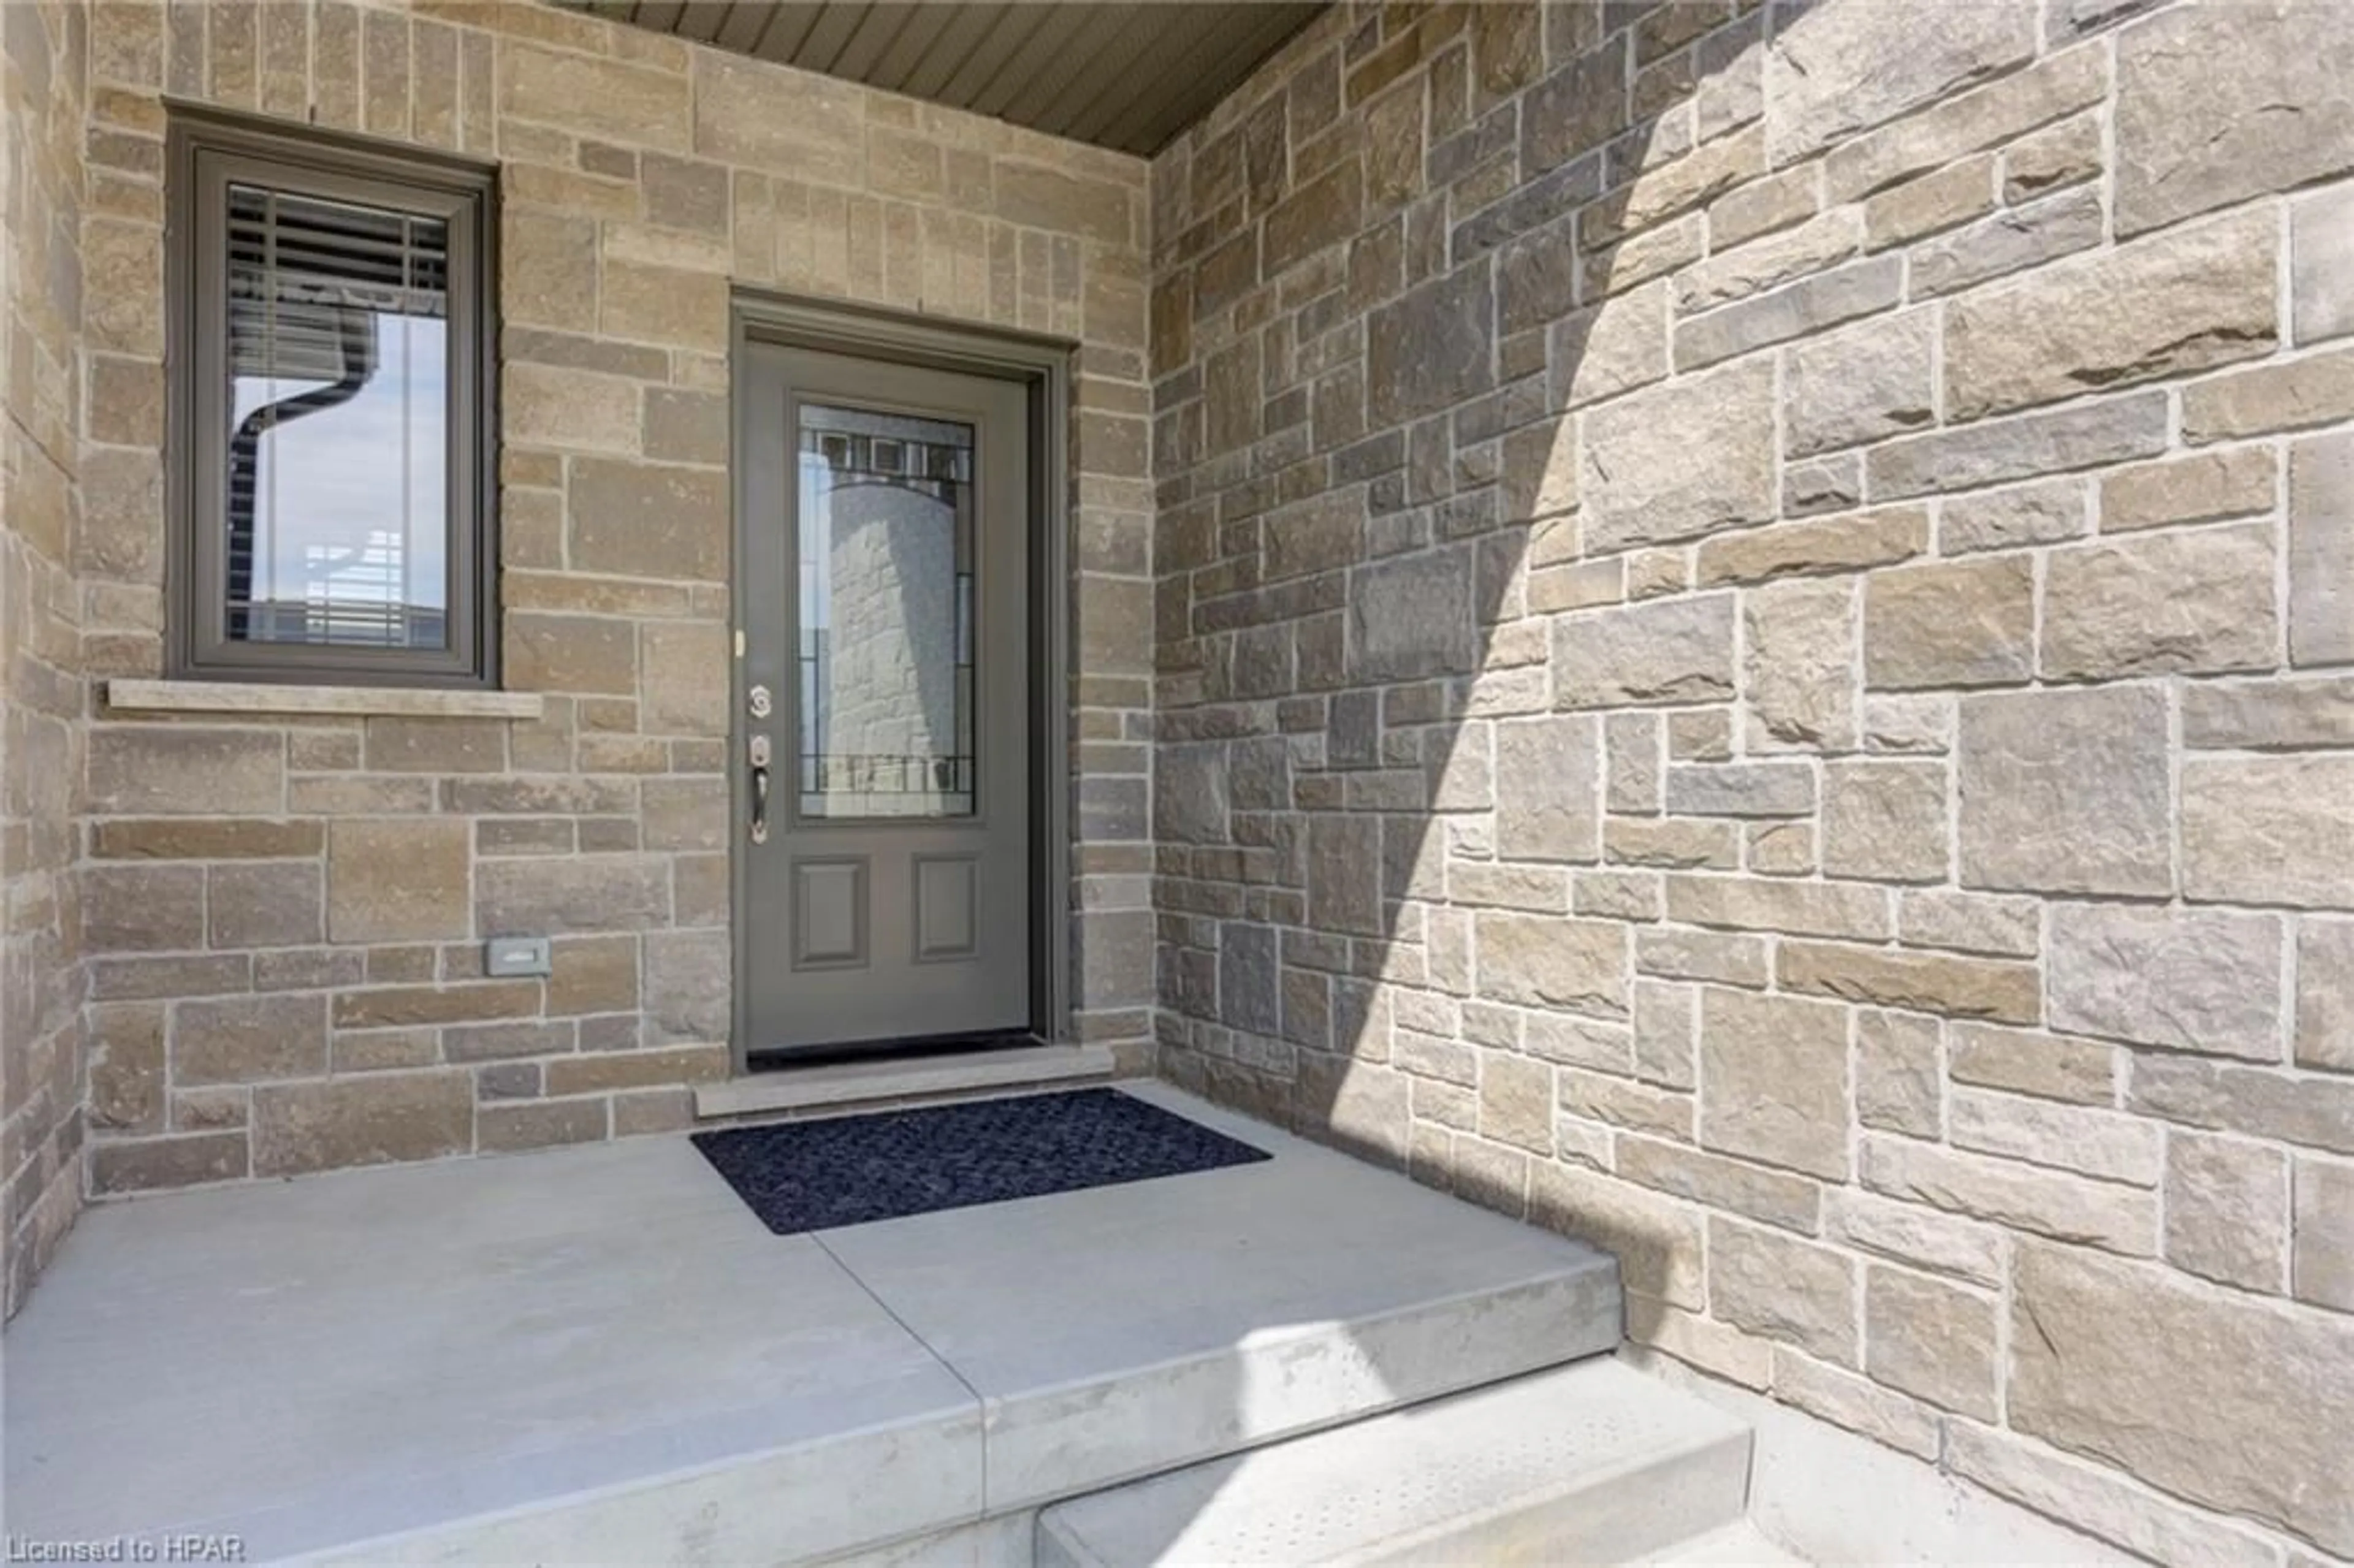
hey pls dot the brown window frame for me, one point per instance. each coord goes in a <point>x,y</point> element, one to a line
<point>205,153</point>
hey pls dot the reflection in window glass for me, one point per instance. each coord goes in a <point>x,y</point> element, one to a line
<point>886,634</point>
<point>337,512</point>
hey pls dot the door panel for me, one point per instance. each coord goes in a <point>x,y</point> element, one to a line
<point>948,907</point>
<point>883,583</point>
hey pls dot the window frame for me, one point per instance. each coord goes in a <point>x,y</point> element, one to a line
<point>204,153</point>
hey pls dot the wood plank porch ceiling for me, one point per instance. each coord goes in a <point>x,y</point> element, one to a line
<point>1127,77</point>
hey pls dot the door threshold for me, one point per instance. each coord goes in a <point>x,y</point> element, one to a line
<point>792,1058</point>
<point>837,1084</point>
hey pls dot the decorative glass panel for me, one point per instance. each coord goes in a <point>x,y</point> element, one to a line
<point>337,350</point>
<point>886,632</point>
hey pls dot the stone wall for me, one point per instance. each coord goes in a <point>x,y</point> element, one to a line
<point>43,1062</point>
<point>1754,618</point>
<point>284,915</point>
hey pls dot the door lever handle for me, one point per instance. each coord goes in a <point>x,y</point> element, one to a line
<point>759,756</point>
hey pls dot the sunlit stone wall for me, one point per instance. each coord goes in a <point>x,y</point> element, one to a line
<point>1756,663</point>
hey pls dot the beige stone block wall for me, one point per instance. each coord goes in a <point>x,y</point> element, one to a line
<point>43,1061</point>
<point>1756,663</point>
<point>284,917</point>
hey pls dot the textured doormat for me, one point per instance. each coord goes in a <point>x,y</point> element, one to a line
<point>848,1170</point>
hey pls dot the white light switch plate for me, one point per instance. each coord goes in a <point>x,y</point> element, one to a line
<point>516,956</point>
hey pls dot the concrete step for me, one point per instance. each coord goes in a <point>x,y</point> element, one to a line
<point>1123,1331</point>
<point>599,1354</point>
<point>1742,1545</point>
<point>1587,1463</point>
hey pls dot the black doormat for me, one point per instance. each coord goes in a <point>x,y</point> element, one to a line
<point>848,1170</point>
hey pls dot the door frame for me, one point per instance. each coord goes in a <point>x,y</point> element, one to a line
<point>1042,365</point>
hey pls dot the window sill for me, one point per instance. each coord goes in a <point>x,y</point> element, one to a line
<point>264,699</point>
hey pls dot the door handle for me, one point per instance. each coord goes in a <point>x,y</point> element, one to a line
<point>759,758</point>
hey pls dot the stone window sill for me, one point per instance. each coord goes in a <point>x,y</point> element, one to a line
<point>266,700</point>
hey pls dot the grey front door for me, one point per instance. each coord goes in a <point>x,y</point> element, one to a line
<point>882,727</point>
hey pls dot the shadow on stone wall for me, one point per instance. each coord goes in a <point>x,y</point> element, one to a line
<point>1374,534</point>
<point>1315,769</point>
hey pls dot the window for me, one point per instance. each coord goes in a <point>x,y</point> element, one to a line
<point>330,449</point>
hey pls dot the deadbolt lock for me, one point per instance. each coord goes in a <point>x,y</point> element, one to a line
<point>759,701</point>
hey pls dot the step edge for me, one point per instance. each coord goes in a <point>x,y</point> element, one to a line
<point>1759,1549</point>
<point>1692,1450</point>
<point>1597,1346</point>
<point>431,1541</point>
<point>846,1086</point>
<point>1709,1427</point>
<point>1709,1431</point>
<point>1569,1273</point>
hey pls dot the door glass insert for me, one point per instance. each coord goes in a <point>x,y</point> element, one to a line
<point>885,605</point>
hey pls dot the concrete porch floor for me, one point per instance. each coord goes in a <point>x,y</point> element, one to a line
<point>599,1354</point>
